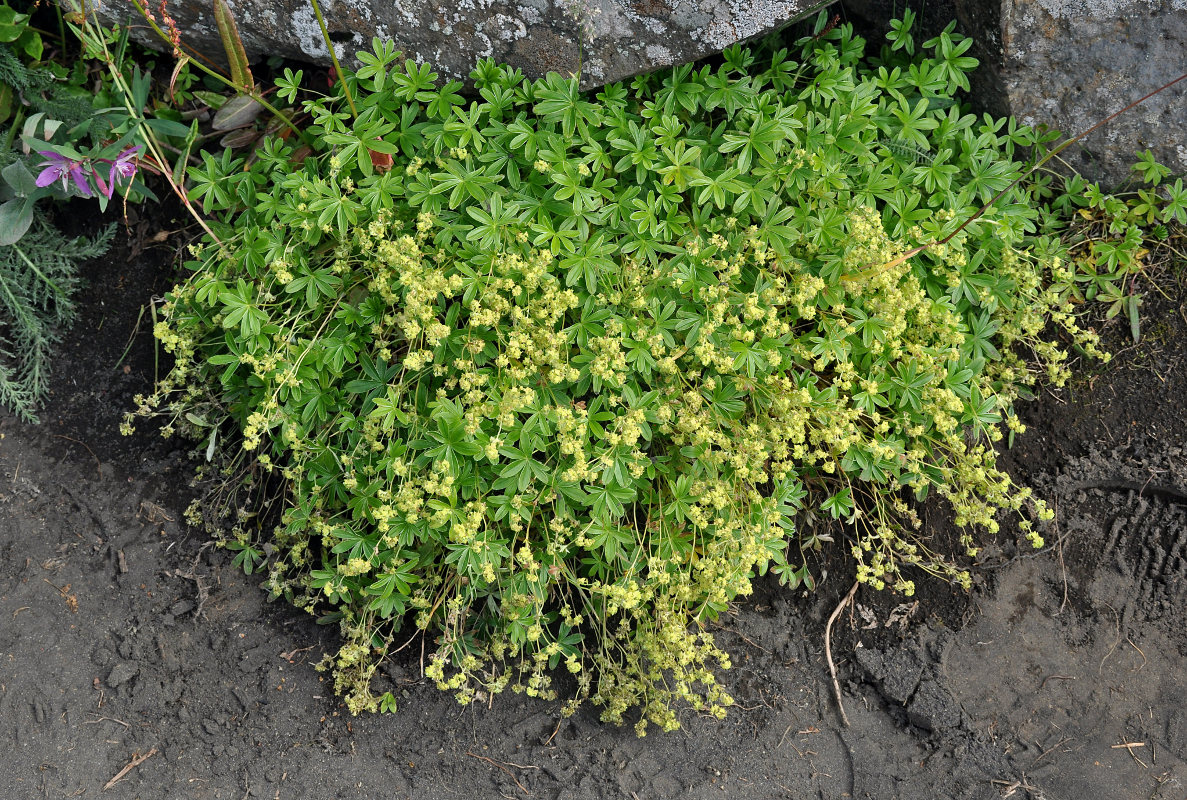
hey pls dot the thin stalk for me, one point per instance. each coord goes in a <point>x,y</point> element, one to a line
<point>872,269</point>
<point>42,31</point>
<point>156,355</point>
<point>37,272</point>
<point>325,34</point>
<point>259,98</point>
<point>149,138</point>
<point>10,134</point>
<point>131,339</point>
<point>218,76</point>
<point>61,27</point>
<point>154,146</point>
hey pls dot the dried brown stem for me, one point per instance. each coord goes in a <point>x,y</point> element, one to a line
<point>828,649</point>
<point>131,765</point>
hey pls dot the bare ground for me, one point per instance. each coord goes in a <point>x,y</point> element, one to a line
<point>130,649</point>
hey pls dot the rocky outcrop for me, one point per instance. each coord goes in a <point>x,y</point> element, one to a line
<point>1068,64</point>
<point>1072,63</point>
<point>604,40</point>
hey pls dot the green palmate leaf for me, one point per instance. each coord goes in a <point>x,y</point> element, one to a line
<point>561,100</point>
<point>494,227</point>
<point>586,266</point>
<point>239,310</point>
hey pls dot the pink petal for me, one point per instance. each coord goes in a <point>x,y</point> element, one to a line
<point>49,175</point>
<point>80,180</point>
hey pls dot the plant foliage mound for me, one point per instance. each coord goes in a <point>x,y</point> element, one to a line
<point>551,376</point>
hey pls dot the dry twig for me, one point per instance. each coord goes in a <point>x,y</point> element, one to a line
<point>1142,652</point>
<point>828,649</point>
<point>504,768</point>
<point>98,463</point>
<point>1008,788</point>
<point>1129,746</point>
<point>106,719</point>
<point>133,764</point>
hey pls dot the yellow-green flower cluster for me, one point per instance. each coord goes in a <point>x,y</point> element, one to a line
<point>558,385</point>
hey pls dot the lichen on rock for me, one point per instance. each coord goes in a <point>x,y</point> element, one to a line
<point>602,40</point>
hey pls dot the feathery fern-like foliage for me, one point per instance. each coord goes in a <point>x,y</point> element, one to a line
<point>38,279</point>
<point>38,88</point>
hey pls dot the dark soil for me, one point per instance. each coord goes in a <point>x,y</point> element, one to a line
<point>125,639</point>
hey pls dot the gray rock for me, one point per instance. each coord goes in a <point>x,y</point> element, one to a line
<point>606,40</point>
<point>1072,63</point>
<point>1066,64</point>
<point>1069,64</point>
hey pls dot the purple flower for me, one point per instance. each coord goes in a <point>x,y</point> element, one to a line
<point>125,163</point>
<point>57,167</point>
<point>124,166</point>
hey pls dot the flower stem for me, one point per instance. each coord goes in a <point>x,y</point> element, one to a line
<point>325,34</point>
<point>218,76</point>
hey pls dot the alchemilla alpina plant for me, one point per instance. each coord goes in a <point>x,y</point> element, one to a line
<point>550,376</point>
